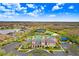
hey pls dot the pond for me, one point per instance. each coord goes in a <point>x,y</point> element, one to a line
<point>40,30</point>
<point>64,38</point>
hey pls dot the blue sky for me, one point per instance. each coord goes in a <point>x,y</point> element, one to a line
<point>39,11</point>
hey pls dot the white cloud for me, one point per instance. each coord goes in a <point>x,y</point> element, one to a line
<point>11,12</point>
<point>7,12</point>
<point>25,11</point>
<point>18,6</point>
<point>30,5</point>
<point>23,7</point>
<point>42,7</point>
<point>32,14</point>
<point>35,13</point>
<point>2,8</point>
<point>3,16</point>
<point>14,6</point>
<point>53,15</point>
<point>57,6</point>
<point>71,7</point>
<point>9,5</point>
<point>67,13</point>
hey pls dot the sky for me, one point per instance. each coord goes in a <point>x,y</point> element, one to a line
<point>39,12</point>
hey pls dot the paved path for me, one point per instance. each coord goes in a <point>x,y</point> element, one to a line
<point>11,48</point>
<point>38,52</point>
<point>35,52</point>
<point>42,52</point>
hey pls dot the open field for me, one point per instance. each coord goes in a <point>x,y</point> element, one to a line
<point>39,38</point>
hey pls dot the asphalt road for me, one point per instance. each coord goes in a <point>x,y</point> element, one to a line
<point>11,48</point>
